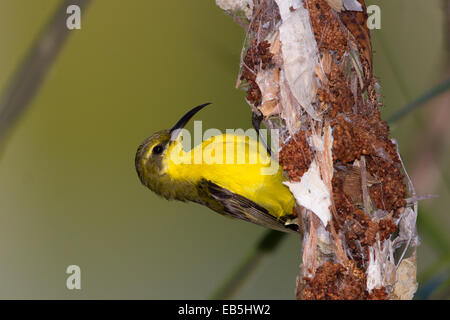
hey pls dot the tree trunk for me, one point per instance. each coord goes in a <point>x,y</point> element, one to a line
<point>307,66</point>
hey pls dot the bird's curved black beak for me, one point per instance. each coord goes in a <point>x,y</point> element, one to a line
<point>185,119</point>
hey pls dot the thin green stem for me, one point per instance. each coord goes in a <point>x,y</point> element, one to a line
<point>413,105</point>
<point>238,277</point>
<point>29,75</point>
<point>393,65</point>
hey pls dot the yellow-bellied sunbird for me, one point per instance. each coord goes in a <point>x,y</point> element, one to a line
<point>236,189</point>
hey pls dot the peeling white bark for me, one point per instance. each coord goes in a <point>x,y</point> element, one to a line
<point>312,193</point>
<point>299,52</point>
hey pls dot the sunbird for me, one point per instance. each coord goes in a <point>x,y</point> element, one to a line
<point>232,188</point>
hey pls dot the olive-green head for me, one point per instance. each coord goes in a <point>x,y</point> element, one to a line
<point>152,154</point>
<point>150,157</point>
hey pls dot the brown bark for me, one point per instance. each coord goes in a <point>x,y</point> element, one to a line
<point>308,70</point>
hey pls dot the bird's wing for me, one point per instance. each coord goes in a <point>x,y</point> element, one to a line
<point>240,207</point>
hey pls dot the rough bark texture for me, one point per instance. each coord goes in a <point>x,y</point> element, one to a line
<point>307,67</point>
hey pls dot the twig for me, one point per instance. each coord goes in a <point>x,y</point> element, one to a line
<point>427,96</point>
<point>30,74</point>
<point>266,245</point>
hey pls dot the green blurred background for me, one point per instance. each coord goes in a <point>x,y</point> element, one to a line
<point>69,193</point>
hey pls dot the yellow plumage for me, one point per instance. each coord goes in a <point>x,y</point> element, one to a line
<point>245,179</point>
<point>231,174</point>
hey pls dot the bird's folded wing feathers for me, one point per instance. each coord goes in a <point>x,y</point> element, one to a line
<point>240,207</point>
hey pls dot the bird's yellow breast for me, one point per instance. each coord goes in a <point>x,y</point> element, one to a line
<point>237,163</point>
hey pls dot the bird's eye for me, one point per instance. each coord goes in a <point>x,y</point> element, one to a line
<point>158,149</point>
